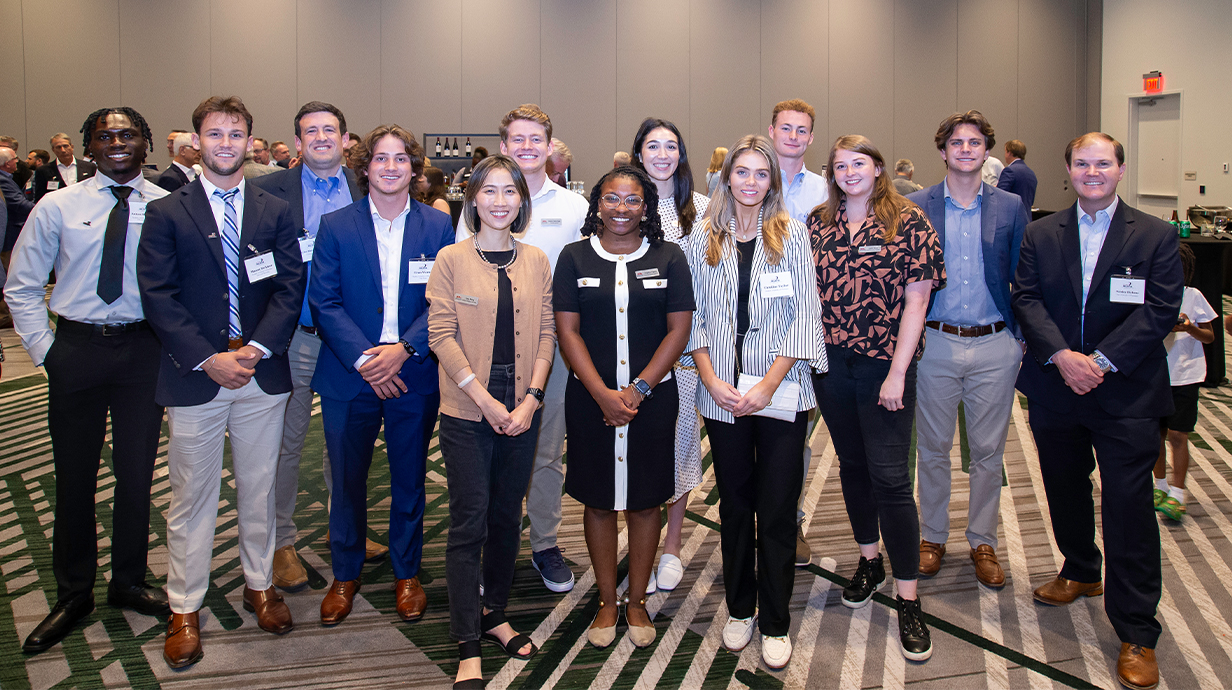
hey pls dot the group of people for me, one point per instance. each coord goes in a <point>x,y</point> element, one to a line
<point>624,322</point>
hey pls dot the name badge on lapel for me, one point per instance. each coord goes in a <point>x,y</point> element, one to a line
<point>647,273</point>
<point>418,270</point>
<point>1127,289</point>
<point>260,266</point>
<point>550,222</point>
<point>869,249</point>
<point>306,245</point>
<point>136,212</point>
<point>775,285</point>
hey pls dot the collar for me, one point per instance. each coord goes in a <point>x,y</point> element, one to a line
<point>210,188</point>
<point>101,182</point>
<point>377,214</point>
<point>945,188</point>
<point>604,254</point>
<point>183,167</point>
<point>548,186</point>
<point>798,176</point>
<point>1108,212</point>
<point>315,180</point>
<point>65,167</point>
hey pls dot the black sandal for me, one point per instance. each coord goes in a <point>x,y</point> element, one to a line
<point>469,650</point>
<point>517,642</point>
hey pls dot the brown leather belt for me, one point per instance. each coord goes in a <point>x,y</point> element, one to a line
<point>967,331</point>
<point>234,344</point>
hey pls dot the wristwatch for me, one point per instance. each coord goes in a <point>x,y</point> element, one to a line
<point>642,388</point>
<point>537,393</point>
<point>409,350</point>
<point>1102,362</point>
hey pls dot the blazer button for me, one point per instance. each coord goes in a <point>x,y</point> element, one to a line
<point>380,310</point>
<point>517,311</point>
<point>517,332</point>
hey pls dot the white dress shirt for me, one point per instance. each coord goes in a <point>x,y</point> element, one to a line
<point>389,255</point>
<point>65,232</point>
<point>219,207</point>
<point>68,172</point>
<point>556,219</point>
<point>190,172</point>
<point>1091,235</point>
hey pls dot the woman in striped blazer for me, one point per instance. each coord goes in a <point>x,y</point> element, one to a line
<point>758,319</point>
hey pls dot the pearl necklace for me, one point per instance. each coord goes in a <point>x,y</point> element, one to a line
<point>482,255</point>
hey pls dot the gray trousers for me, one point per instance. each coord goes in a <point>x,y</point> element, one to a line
<point>979,373</point>
<point>302,356</point>
<point>547,479</point>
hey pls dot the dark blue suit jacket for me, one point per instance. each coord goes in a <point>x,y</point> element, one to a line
<point>1002,221</point>
<point>184,289</point>
<point>1048,304</point>
<point>18,207</point>
<point>346,299</point>
<point>172,178</point>
<point>288,186</point>
<point>1018,179</point>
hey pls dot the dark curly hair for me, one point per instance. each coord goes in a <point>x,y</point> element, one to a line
<point>87,128</point>
<point>650,228</point>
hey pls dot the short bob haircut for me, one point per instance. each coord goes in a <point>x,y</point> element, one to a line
<point>651,227</point>
<point>364,156</point>
<point>945,130</point>
<point>229,105</point>
<point>479,176</point>
<point>685,210</point>
<point>1090,138</point>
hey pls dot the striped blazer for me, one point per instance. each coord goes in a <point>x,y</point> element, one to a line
<point>787,326</point>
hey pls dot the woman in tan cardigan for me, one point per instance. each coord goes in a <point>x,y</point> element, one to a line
<point>490,323</point>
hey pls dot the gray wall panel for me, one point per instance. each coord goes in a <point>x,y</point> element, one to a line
<point>925,84</point>
<point>501,62</point>
<point>724,94</point>
<point>339,62</point>
<point>422,43</point>
<point>795,64</point>
<point>1053,42</point>
<point>253,55</point>
<point>13,77</point>
<point>988,65</point>
<point>862,71</point>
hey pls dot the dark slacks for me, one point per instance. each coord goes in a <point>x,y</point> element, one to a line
<point>872,444</point>
<point>88,375</point>
<point>487,474</point>
<point>757,468</point>
<point>351,428</point>
<point>1125,449</point>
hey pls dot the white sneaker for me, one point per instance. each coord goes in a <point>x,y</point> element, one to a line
<point>652,586</point>
<point>738,632</point>
<point>775,651</point>
<point>671,572</point>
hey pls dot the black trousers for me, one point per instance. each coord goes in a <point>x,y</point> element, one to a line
<point>757,468</point>
<point>1125,449</point>
<point>88,375</point>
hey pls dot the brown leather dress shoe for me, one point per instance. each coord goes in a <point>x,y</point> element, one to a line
<point>289,573</point>
<point>1136,667</point>
<point>336,605</point>
<point>183,645</point>
<point>1060,591</point>
<point>987,569</point>
<point>411,599</point>
<point>374,551</point>
<point>272,612</point>
<point>930,557</point>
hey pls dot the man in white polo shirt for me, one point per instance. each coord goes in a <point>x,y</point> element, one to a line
<point>556,220</point>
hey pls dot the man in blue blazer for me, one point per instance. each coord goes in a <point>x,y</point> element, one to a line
<point>371,263</point>
<point>971,353</point>
<point>1098,287</point>
<point>221,283</point>
<point>1017,178</point>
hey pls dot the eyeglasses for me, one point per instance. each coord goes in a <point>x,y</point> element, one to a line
<point>632,202</point>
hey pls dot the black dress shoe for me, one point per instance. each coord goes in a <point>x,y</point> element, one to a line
<point>142,598</point>
<point>64,615</point>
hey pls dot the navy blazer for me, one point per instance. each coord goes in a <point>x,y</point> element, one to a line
<point>1048,303</point>
<point>17,206</point>
<point>184,289</point>
<point>172,178</point>
<point>51,171</point>
<point>1002,221</point>
<point>1018,179</point>
<point>288,186</point>
<point>346,300</point>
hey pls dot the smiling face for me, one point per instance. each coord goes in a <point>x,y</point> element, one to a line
<point>117,147</point>
<point>1095,173</point>
<point>320,142</point>
<point>660,154</point>
<point>750,178</point>
<point>855,173</point>
<point>621,203</point>
<point>63,148</point>
<point>965,151</point>
<point>498,200</point>
<point>527,142</point>
<point>792,132</point>
<point>389,172</point>
<point>223,141</point>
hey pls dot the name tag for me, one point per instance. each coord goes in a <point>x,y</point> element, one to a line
<point>656,284</point>
<point>870,249</point>
<point>1127,290</point>
<point>260,266</point>
<point>136,213</point>
<point>53,184</point>
<point>466,299</point>
<point>775,285</point>
<point>550,222</point>
<point>306,245</point>
<point>588,282</point>
<point>647,273</point>
<point>418,271</point>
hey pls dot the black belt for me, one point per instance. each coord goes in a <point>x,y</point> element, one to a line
<point>310,330</point>
<point>967,331</point>
<point>104,329</point>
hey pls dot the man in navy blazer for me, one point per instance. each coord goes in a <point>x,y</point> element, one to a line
<point>1017,178</point>
<point>971,353</point>
<point>1098,287</point>
<point>371,263</point>
<point>222,283</point>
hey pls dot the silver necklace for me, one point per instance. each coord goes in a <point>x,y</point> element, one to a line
<point>482,255</point>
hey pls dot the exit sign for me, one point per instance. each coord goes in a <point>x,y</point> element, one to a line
<point>1153,82</point>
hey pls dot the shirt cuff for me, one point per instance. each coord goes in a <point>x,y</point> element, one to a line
<point>362,359</point>
<point>264,350</point>
<point>1114,367</point>
<point>202,364</point>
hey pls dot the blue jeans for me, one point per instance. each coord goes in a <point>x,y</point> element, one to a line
<point>487,474</point>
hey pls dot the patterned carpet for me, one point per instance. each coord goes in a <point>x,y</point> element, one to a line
<point>982,638</point>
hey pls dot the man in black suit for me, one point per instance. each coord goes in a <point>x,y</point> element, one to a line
<point>63,171</point>
<point>1017,178</point>
<point>222,283</point>
<point>1098,287</point>
<point>180,172</point>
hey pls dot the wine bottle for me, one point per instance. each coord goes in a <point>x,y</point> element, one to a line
<point>455,147</point>
<point>468,147</point>
<point>438,147</point>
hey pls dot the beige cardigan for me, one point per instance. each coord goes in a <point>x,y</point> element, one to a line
<point>462,297</point>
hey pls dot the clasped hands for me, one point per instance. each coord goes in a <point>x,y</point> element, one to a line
<point>381,370</point>
<point>232,370</point>
<point>731,399</point>
<point>1080,371</point>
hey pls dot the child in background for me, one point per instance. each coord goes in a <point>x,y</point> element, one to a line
<point>1187,367</point>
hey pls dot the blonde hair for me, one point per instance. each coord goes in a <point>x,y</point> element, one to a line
<point>722,210</point>
<point>526,111</point>
<point>716,159</point>
<point>886,203</point>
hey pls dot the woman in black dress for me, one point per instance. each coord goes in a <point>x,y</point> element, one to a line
<point>624,307</point>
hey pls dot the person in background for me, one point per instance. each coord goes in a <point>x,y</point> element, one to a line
<point>181,170</point>
<point>66,170</point>
<point>716,166</point>
<point>464,173</point>
<point>659,150</point>
<point>1017,178</point>
<point>489,419</point>
<point>621,158</point>
<point>991,170</point>
<point>280,153</point>
<point>17,206</point>
<point>904,170</point>
<point>434,194</point>
<point>756,333</point>
<point>559,162</point>
<point>35,159</point>
<point>1187,371</point>
<point>260,151</point>
<point>878,260</point>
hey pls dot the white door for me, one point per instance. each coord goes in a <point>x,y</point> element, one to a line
<point>1155,154</point>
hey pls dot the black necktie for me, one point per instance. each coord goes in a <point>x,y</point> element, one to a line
<point>111,270</point>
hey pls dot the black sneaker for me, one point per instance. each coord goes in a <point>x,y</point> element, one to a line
<point>912,633</point>
<point>869,577</point>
